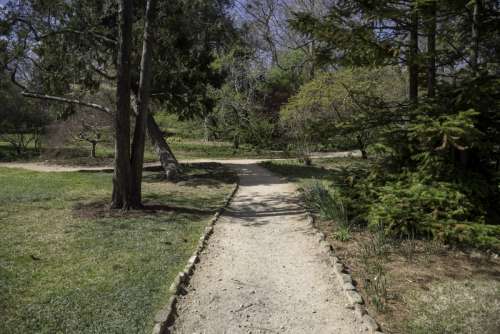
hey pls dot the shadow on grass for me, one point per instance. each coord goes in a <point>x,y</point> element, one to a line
<point>100,209</point>
<point>194,174</point>
<point>9,154</point>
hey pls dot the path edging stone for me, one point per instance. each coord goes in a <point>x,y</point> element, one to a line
<point>346,283</point>
<point>165,318</point>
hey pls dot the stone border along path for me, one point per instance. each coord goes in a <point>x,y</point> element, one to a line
<point>345,280</point>
<point>166,316</point>
<point>266,269</point>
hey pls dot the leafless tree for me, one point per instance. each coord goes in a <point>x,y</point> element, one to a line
<point>85,125</point>
<point>268,21</point>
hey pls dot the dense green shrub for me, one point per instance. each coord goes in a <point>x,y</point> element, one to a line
<point>407,205</point>
<point>474,235</point>
<point>411,205</point>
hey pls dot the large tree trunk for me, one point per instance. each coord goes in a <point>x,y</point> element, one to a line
<point>167,158</point>
<point>431,51</point>
<point>362,147</point>
<point>312,67</point>
<point>413,54</point>
<point>121,176</point>
<point>206,128</point>
<point>474,63</point>
<point>475,36</point>
<point>92,149</point>
<point>138,143</point>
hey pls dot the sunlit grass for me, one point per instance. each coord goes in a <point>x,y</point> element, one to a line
<point>65,269</point>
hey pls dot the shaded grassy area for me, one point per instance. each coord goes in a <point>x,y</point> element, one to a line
<point>409,285</point>
<point>69,265</point>
<point>78,155</point>
<point>184,137</point>
<point>334,170</point>
<point>8,153</point>
<point>187,149</point>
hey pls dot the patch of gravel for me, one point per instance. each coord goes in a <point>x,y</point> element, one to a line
<point>264,271</point>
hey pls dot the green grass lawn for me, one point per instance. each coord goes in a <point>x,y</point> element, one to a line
<point>198,149</point>
<point>68,265</point>
<point>78,153</point>
<point>334,170</point>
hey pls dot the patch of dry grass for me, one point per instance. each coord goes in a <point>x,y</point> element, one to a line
<point>456,307</point>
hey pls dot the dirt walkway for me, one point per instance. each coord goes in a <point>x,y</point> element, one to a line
<point>48,167</point>
<point>263,270</point>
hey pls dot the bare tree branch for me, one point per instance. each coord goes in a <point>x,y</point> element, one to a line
<point>66,100</point>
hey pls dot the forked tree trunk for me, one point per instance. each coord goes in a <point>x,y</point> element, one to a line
<point>138,143</point>
<point>162,149</point>
<point>167,158</point>
<point>121,176</point>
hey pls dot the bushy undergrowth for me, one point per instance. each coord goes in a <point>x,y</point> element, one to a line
<point>406,205</point>
<point>320,197</point>
<point>410,205</point>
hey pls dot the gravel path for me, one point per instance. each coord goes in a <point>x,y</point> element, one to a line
<point>263,270</point>
<point>48,167</point>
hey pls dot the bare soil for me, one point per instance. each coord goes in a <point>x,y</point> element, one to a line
<point>410,267</point>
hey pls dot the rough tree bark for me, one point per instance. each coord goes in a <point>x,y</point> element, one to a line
<point>464,155</point>
<point>162,149</point>
<point>475,36</point>
<point>431,51</point>
<point>362,147</point>
<point>206,128</point>
<point>143,98</point>
<point>413,54</point>
<point>121,177</point>
<point>167,158</point>
<point>92,149</point>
